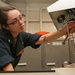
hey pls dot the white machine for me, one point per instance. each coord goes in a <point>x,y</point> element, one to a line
<point>62,12</point>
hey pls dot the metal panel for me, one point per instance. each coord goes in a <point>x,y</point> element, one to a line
<point>31,60</point>
<point>56,54</point>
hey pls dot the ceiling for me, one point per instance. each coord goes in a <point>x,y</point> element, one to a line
<point>31,1</point>
<point>42,1</point>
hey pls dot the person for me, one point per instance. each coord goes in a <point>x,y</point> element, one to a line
<point>13,38</point>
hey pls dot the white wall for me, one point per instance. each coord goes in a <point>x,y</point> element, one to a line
<point>37,17</point>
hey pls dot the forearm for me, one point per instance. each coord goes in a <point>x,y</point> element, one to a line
<point>51,37</point>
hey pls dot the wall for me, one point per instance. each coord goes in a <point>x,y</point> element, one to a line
<point>37,17</point>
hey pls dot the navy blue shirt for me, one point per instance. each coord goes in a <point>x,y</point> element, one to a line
<point>10,52</point>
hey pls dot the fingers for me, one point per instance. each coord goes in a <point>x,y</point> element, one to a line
<point>71,27</point>
<point>72,24</point>
<point>72,30</point>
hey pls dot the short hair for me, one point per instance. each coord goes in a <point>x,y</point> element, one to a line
<point>3,14</point>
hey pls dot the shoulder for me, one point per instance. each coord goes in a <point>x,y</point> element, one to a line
<point>24,33</point>
<point>2,34</point>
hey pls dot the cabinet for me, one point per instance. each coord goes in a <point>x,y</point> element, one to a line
<point>32,58</point>
<point>56,53</point>
<point>45,56</point>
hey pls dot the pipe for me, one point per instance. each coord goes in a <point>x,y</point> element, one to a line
<point>27,21</point>
<point>41,18</point>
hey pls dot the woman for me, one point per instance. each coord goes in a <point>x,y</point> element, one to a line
<point>13,39</point>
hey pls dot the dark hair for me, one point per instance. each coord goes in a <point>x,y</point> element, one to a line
<point>3,14</point>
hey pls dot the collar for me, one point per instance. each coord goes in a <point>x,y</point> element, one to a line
<point>7,35</point>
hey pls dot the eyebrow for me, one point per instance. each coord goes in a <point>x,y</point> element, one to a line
<point>16,17</point>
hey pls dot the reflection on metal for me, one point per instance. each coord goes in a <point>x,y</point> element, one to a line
<point>51,64</point>
<point>57,43</point>
<point>22,64</point>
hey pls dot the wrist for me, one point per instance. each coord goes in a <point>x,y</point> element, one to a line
<point>63,31</point>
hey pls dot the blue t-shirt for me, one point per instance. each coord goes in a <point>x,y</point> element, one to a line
<point>11,52</point>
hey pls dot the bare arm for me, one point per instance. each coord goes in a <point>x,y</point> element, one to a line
<point>8,67</point>
<point>53,36</point>
<point>49,37</point>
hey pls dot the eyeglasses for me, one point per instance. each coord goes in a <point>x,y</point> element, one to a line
<point>16,20</point>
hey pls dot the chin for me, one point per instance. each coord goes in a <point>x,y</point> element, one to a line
<point>22,30</point>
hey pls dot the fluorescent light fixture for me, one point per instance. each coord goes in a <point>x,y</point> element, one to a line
<point>61,5</point>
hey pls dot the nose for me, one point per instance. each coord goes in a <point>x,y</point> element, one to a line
<point>20,21</point>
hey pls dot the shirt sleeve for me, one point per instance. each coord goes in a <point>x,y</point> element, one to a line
<point>5,56</point>
<point>30,39</point>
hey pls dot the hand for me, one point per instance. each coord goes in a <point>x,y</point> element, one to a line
<point>69,27</point>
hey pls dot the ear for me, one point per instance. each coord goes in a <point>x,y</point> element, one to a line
<point>5,27</point>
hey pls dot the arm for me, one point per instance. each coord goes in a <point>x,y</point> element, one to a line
<point>53,36</point>
<point>8,67</point>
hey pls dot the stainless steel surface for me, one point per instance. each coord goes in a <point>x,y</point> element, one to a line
<point>58,71</point>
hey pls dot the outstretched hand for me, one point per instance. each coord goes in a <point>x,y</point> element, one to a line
<point>70,27</point>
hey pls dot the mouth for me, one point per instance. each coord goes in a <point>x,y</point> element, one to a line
<point>22,27</point>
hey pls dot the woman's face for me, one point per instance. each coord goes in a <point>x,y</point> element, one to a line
<point>15,21</point>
